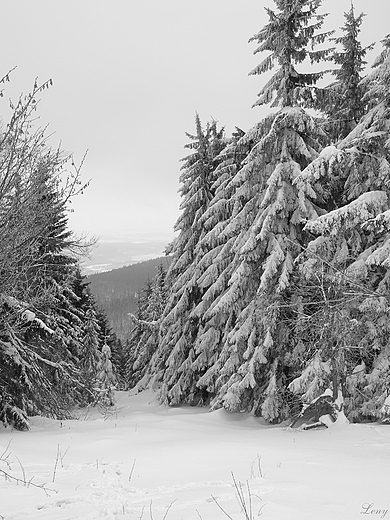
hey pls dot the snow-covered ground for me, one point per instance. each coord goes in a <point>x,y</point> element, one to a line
<point>145,461</point>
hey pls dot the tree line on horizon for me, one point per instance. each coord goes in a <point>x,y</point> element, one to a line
<point>278,287</point>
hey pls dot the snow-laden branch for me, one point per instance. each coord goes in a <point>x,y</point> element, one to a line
<point>364,208</point>
<point>26,314</point>
<point>380,223</point>
<point>154,324</point>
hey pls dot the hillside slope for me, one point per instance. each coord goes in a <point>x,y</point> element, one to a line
<point>116,291</point>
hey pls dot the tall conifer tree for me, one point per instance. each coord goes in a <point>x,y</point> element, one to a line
<point>145,335</point>
<point>179,327</point>
<point>345,102</point>
<point>41,316</point>
<point>251,369</point>
<point>348,261</point>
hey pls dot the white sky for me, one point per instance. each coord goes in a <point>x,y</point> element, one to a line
<point>128,77</point>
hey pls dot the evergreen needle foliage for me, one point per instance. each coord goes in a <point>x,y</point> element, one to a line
<point>278,290</point>
<point>344,102</point>
<point>49,322</point>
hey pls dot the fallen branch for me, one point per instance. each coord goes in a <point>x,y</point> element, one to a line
<point>7,475</point>
<point>27,483</point>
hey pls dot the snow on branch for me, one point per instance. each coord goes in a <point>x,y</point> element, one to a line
<point>363,209</point>
<point>380,223</point>
<point>324,165</point>
<point>381,256</point>
<point>154,324</point>
<point>312,380</point>
<point>26,314</point>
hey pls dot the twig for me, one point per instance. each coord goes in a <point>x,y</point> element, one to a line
<point>258,460</point>
<point>250,499</point>
<point>221,508</point>
<point>22,468</point>
<point>246,504</point>
<point>260,513</point>
<point>168,508</point>
<point>241,498</point>
<point>8,476</point>
<point>56,463</point>
<point>5,455</point>
<point>132,469</point>
<point>62,456</point>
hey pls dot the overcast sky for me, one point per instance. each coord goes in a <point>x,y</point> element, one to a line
<point>128,76</point>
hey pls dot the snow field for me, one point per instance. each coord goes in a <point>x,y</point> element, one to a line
<point>145,461</point>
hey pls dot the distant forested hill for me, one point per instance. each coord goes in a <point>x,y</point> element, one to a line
<point>116,291</point>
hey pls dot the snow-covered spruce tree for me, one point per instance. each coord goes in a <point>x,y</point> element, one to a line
<point>351,253</point>
<point>250,372</point>
<point>83,329</point>
<point>344,100</point>
<point>70,316</point>
<point>107,336</point>
<point>48,284</point>
<point>90,355</point>
<point>173,359</point>
<point>215,267</point>
<point>341,310</point>
<point>146,329</point>
<point>37,268</point>
<point>20,153</point>
<point>118,358</point>
<point>25,167</point>
<point>54,315</point>
<point>289,36</point>
<point>367,146</point>
<point>368,150</point>
<point>137,331</point>
<point>211,271</point>
<point>106,381</point>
